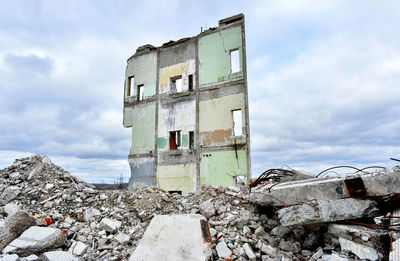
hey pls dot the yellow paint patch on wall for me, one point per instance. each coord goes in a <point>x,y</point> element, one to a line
<point>183,69</point>
<point>215,138</point>
<point>181,177</point>
<point>216,114</point>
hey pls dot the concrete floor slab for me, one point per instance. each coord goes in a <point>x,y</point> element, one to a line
<point>173,237</point>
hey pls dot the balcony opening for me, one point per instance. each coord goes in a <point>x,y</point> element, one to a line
<point>191,140</point>
<point>176,84</point>
<point>235,61</point>
<point>237,123</point>
<point>140,92</point>
<point>174,140</point>
<point>130,86</point>
<point>190,82</point>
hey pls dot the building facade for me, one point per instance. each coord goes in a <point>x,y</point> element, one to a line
<point>187,105</point>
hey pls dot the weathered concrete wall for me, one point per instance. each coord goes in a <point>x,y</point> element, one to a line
<point>143,131</point>
<point>181,177</point>
<point>174,116</point>
<point>142,171</point>
<point>214,56</point>
<point>216,122</point>
<point>184,69</point>
<point>144,68</point>
<point>213,172</point>
<point>177,53</point>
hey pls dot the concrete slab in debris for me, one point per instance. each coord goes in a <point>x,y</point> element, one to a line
<point>173,237</point>
<point>374,238</point>
<point>327,211</point>
<point>12,257</point>
<point>36,240</point>
<point>380,183</point>
<point>363,252</point>
<point>58,256</point>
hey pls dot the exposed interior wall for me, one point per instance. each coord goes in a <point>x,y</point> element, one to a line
<point>180,177</point>
<point>144,69</point>
<point>142,171</point>
<point>216,122</point>
<point>176,116</point>
<point>214,56</point>
<point>143,131</point>
<point>184,69</point>
<point>212,172</point>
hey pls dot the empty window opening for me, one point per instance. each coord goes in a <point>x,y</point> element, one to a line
<point>176,84</point>
<point>191,82</point>
<point>237,122</point>
<point>235,61</point>
<point>175,192</point>
<point>140,92</point>
<point>174,140</point>
<point>191,140</point>
<point>131,86</point>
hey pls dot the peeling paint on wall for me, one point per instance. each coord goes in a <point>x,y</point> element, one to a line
<point>212,172</point>
<point>216,120</point>
<point>214,56</point>
<point>183,69</point>
<point>142,171</point>
<point>181,177</point>
<point>168,120</point>
<point>143,130</point>
<point>144,69</point>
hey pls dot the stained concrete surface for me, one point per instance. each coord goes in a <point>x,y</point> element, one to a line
<point>173,237</point>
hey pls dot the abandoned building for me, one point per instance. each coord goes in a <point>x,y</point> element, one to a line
<point>187,104</point>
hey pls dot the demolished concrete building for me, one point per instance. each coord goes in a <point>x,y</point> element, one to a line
<point>187,104</point>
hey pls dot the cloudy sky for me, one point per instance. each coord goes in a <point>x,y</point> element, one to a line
<point>324,79</point>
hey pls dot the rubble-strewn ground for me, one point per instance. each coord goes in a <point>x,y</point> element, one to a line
<point>108,225</point>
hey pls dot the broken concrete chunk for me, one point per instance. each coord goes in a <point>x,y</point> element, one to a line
<point>363,252</point>
<point>320,211</point>
<point>91,212</point>
<point>58,256</point>
<point>9,194</point>
<point>167,238</point>
<point>249,252</point>
<point>122,238</point>
<point>35,171</point>
<point>110,225</point>
<point>269,250</point>
<point>13,257</point>
<point>36,240</point>
<point>14,226</point>
<point>207,208</point>
<point>32,257</point>
<point>372,238</point>
<point>333,257</point>
<point>222,250</point>
<point>11,209</point>
<point>78,248</point>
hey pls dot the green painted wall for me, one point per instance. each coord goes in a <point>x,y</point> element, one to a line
<point>212,172</point>
<point>143,128</point>
<point>214,55</point>
<point>144,69</point>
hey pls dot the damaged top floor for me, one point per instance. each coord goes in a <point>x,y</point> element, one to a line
<point>187,104</point>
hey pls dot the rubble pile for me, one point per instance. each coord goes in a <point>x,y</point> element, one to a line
<point>48,214</point>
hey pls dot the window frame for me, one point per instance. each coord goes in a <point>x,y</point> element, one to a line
<point>234,123</point>
<point>140,94</point>
<point>230,60</point>
<point>130,88</point>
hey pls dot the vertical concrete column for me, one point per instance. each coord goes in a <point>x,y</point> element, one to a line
<point>197,133</point>
<point>246,102</point>
<point>156,119</point>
